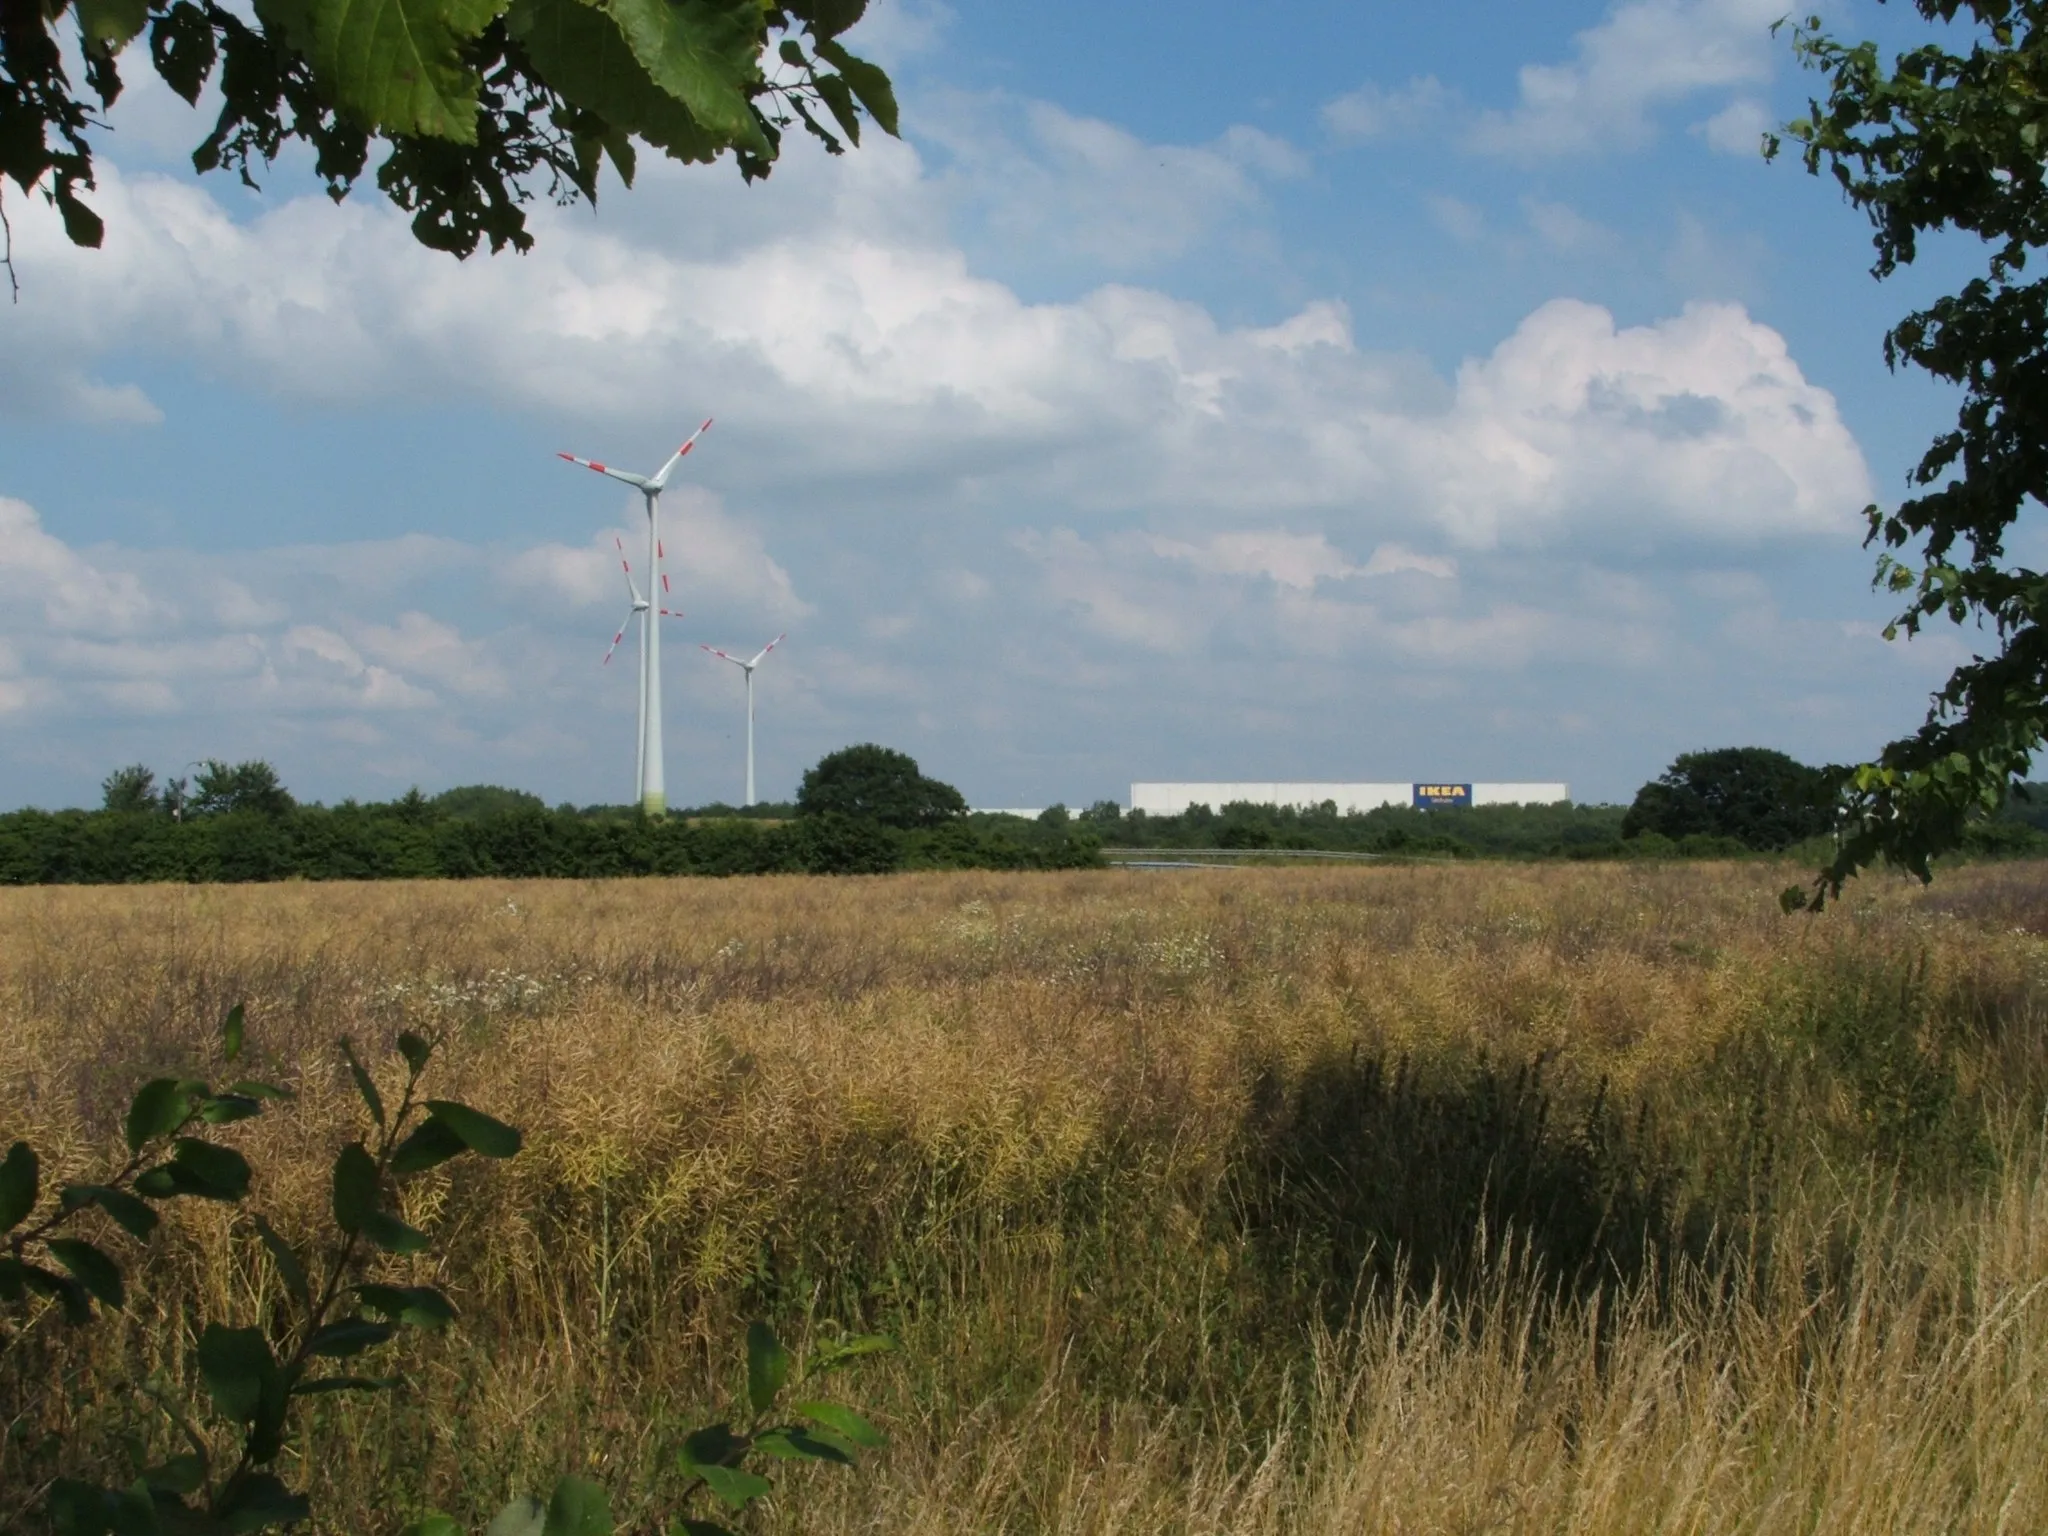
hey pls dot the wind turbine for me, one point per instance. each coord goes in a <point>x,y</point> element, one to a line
<point>748,668</point>
<point>653,793</point>
<point>647,613</point>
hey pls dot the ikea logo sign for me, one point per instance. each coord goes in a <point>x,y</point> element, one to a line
<point>1430,797</point>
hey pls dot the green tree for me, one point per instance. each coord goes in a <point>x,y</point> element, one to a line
<point>129,789</point>
<point>473,802</point>
<point>1951,135</point>
<point>478,106</point>
<point>1762,799</point>
<point>871,783</point>
<point>219,788</point>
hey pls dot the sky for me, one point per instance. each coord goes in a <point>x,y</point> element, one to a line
<point>1308,391</point>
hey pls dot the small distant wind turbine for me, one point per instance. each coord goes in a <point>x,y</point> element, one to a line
<point>748,668</point>
<point>653,793</point>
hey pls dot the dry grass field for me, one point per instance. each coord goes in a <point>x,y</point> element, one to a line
<point>1500,1198</point>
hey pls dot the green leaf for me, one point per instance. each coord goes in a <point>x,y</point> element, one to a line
<point>76,1301</point>
<point>797,1444</point>
<point>833,91</point>
<point>703,1528</point>
<point>704,54</point>
<point>433,1523</point>
<point>735,1487</point>
<point>182,47</point>
<point>416,1306</point>
<point>112,24</point>
<point>239,1371</point>
<point>159,1108</point>
<point>393,1235</point>
<point>843,1422</point>
<point>227,1108</point>
<point>578,50</point>
<point>216,1172</point>
<point>348,1336</point>
<point>364,1085</point>
<point>396,65</point>
<point>714,1445</point>
<point>233,1026</point>
<point>258,1500</point>
<point>578,1508</point>
<point>20,1184</point>
<point>430,1144</point>
<point>524,1516</point>
<point>477,1130</point>
<point>416,1052</point>
<point>289,1269</point>
<point>132,1215</point>
<point>869,83</point>
<point>99,1274</point>
<point>767,1366</point>
<point>355,1187</point>
<point>82,226</point>
<point>178,1474</point>
<point>250,1089</point>
<point>834,1353</point>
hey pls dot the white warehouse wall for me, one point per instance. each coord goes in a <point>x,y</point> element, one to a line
<point>1172,799</point>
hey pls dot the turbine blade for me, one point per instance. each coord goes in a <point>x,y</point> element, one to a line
<point>762,654</point>
<point>676,458</point>
<point>623,623</point>
<point>714,650</point>
<point>626,566</point>
<point>606,469</point>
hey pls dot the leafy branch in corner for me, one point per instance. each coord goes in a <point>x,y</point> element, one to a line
<point>339,1306</point>
<point>479,105</point>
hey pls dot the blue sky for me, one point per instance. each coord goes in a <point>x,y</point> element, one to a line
<point>1308,391</point>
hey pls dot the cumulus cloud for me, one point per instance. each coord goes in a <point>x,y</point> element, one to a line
<point>892,359</point>
<point>1374,111</point>
<point>1082,188</point>
<point>1644,55</point>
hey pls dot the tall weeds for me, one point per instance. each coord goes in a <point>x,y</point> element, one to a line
<point>1500,1198</point>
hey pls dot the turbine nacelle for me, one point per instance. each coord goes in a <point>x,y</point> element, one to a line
<point>757,658</point>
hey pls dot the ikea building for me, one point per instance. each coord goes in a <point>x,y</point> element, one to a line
<point>1172,799</point>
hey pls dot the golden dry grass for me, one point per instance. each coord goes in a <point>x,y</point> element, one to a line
<point>1531,1198</point>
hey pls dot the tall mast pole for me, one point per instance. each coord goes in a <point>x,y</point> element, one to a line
<point>750,736</point>
<point>653,794</point>
<point>640,739</point>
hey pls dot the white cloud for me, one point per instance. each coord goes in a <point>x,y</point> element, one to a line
<point>1456,217</point>
<point>1645,54</point>
<point>707,549</point>
<point>1701,426</point>
<point>1375,112</point>
<point>1738,128</point>
<point>1080,188</point>
<point>1564,229</point>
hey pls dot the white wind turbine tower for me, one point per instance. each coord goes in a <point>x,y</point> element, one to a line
<point>748,668</point>
<point>653,793</point>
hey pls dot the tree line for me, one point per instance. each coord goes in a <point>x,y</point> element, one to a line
<point>869,810</point>
<point>865,810</point>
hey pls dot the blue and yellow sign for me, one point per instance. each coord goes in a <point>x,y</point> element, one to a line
<point>1436,797</point>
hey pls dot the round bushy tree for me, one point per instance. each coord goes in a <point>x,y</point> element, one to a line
<point>1761,798</point>
<point>871,783</point>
